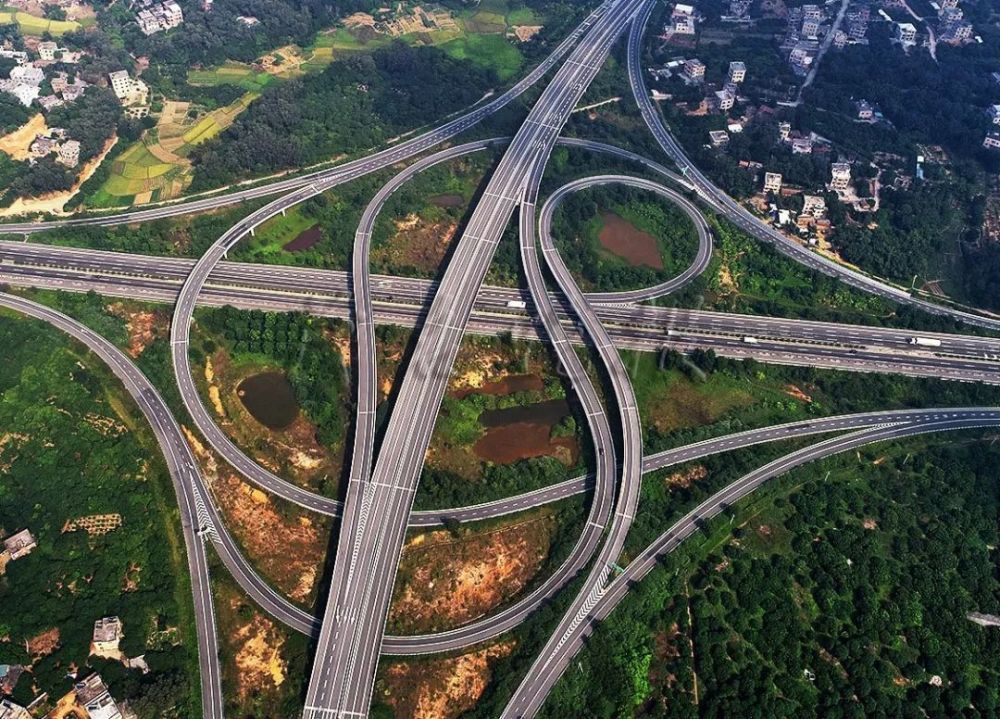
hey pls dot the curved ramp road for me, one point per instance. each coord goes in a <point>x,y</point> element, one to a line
<point>349,644</point>
<point>187,299</point>
<point>541,678</point>
<point>717,199</point>
<point>183,473</point>
<point>701,260</point>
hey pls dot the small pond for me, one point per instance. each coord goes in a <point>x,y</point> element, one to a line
<point>270,398</point>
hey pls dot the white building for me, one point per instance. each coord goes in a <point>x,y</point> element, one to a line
<point>906,33</point>
<point>27,74</point>
<point>840,177</point>
<point>737,72</point>
<point>682,20</point>
<point>724,100</point>
<point>994,113</point>
<point>155,17</point>
<point>784,129</point>
<point>718,138</point>
<point>93,695</point>
<point>772,182</point>
<point>992,141</point>
<point>127,89</point>
<point>813,205</point>
<point>18,56</point>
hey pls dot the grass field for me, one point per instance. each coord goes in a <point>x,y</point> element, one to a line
<point>232,73</point>
<point>490,51</point>
<point>37,26</point>
<point>271,237</point>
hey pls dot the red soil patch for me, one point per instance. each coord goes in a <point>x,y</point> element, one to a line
<point>305,239</point>
<point>628,242</point>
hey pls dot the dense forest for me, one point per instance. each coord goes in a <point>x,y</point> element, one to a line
<point>839,592</point>
<point>356,103</point>
<point>73,446</point>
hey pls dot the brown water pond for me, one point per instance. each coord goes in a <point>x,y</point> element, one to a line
<point>523,432</point>
<point>624,239</point>
<point>269,397</point>
<point>305,239</point>
<point>508,385</point>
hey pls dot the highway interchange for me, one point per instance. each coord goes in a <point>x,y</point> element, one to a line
<point>379,494</point>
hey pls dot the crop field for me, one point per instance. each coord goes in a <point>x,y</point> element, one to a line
<point>156,167</point>
<point>37,26</point>
<point>231,73</point>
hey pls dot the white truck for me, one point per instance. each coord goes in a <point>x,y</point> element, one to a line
<point>750,340</point>
<point>517,304</point>
<point>925,342</point>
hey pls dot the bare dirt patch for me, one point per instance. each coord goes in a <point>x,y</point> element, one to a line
<point>286,544</point>
<point>440,688</point>
<point>687,477</point>
<point>17,143</point>
<point>444,582</point>
<point>142,326</point>
<point>417,245</point>
<point>259,657</point>
<point>794,391</point>
<point>622,238</point>
<point>41,645</point>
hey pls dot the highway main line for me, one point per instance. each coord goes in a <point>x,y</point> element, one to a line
<point>199,513</point>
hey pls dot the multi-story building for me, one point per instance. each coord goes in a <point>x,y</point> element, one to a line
<point>866,113</point>
<point>154,17</point>
<point>772,182</point>
<point>10,710</point>
<point>92,694</point>
<point>737,72</point>
<point>994,112</point>
<point>992,141</point>
<point>724,100</point>
<point>840,177</point>
<point>27,75</point>
<point>694,70</point>
<point>784,129</point>
<point>810,28</point>
<point>906,33</point>
<point>127,89</point>
<point>814,206</point>
<point>718,138</point>
<point>107,635</point>
<point>682,20</point>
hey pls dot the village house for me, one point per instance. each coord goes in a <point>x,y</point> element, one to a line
<point>737,72</point>
<point>68,153</point>
<point>994,112</point>
<point>92,694</point>
<point>154,17</point>
<point>108,632</point>
<point>694,70</point>
<point>906,34</point>
<point>682,20</point>
<point>724,100</point>
<point>992,141</point>
<point>18,56</point>
<point>772,182</point>
<point>129,90</point>
<point>27,74</point>
<point>840,177</point>
<point>813,206</point>
<point>10,710</point>
<point>19,545</point>
<point>718,138</point>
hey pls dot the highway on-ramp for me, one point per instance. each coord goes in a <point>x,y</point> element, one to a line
<point>702,257</point>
